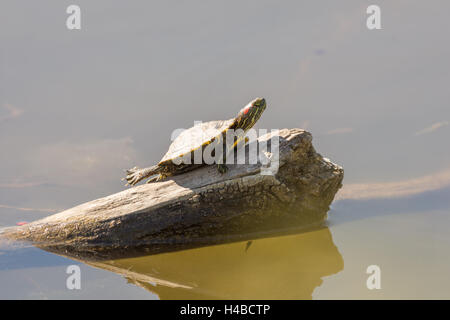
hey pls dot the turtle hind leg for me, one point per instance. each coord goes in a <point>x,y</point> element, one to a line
<point>134,175</point>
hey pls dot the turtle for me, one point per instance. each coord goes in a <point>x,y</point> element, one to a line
<point>201,135</point>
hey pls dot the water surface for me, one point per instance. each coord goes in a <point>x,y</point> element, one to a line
<point>78,107</point>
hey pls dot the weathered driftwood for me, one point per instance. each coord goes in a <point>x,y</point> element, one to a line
<point>198,208</point>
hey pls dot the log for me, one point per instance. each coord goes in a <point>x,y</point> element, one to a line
<point>198,208</point>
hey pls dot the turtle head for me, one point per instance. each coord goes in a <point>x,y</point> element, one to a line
<point>251,113</point>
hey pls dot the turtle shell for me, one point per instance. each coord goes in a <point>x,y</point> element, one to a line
<point>196,137</point>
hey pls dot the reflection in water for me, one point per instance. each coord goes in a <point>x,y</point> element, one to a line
<point>286,267</point>
<point>435,126</point>
<point>395,189</point>
<point>143,77</point>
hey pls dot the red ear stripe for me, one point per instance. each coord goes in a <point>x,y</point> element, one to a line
<point>246,110</point>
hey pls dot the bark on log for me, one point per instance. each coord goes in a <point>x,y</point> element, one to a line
<point>198,208</point>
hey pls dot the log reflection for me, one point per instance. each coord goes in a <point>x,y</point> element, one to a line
<point>284,267</point>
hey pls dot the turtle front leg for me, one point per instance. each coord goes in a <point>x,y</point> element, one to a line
<point>222,168</point>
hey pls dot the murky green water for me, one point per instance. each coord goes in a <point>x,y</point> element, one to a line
<point>77,107</point>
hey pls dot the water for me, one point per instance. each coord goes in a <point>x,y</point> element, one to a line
<point>77,107</point>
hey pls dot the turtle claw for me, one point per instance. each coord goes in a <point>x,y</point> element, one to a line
<point>126,184</point>
<point>132,170</point>
<point>157,178</point>
<point>133,176</point>
<point>154,179</point>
